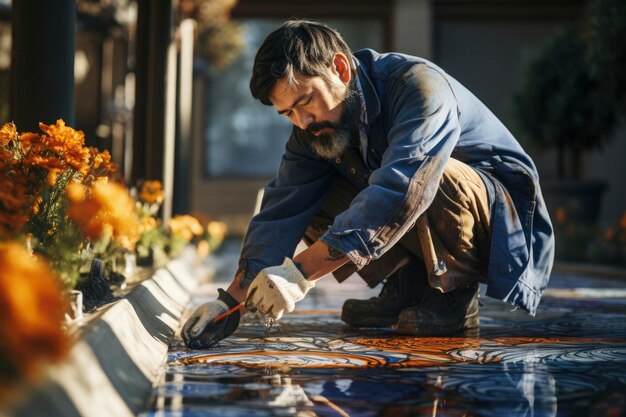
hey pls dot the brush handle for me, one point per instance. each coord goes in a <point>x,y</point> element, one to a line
<point>227,313</point>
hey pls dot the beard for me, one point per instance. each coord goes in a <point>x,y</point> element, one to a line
<point>333,145</point>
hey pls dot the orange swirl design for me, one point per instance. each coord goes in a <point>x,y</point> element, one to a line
<point>290,359</point>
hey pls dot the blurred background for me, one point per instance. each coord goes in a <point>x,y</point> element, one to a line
<point>163,85</point>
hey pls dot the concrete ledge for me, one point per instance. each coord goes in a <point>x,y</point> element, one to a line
<point>117,356</point>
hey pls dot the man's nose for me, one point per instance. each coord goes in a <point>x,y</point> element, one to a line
<point>304,119</point>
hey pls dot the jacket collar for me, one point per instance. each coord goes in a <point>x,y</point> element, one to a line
<point>372,104</point>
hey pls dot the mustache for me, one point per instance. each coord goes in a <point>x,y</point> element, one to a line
<point>352,107</point>
<point>322,124</point>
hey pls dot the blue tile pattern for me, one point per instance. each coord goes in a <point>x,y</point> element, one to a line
<point>570,360</point>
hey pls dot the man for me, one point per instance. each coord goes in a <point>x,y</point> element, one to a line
<point>395,170</point>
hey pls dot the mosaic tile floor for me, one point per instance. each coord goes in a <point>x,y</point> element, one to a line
<point>570,360</point>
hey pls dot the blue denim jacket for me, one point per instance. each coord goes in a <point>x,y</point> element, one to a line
<point>417,118</point>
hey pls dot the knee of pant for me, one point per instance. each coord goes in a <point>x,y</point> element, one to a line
<point>448,194</point>
<point>456,187</point>
<point>450,207</point>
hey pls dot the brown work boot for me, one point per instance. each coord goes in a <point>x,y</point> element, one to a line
<point>402,289</point>
<point>442,314</point>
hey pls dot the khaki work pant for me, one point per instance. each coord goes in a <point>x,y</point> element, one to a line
<point>452,237</point>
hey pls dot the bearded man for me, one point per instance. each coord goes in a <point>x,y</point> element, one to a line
<point>393,170</point>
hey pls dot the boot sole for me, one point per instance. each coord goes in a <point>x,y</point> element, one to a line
<point>413,326</point>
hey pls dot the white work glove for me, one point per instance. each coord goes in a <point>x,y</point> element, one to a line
<point>277,289</point>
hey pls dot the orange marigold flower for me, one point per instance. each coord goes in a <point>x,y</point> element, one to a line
<point>61,138</point>
<point>31,314</point>
<point>185,226</point>
<point>84,211</point>
<point>147,223</point>
<point>76,192</point>
<point>48,162</point>
<point>29,140</point>
<point>15,203</point>
<point>622,221</point>
<point>101,165</point>
<point>99,158</point>
<point>68,144</point>
<point>104,208</point>
<point>78,159</point>
<point>8,132</point>
<point>217,229</point>
<point>151,192</point>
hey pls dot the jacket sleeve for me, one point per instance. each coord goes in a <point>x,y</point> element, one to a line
<point>289,203</point>
<point>422,114</point>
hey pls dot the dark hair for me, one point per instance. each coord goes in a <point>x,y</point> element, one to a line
<point>296,46</point>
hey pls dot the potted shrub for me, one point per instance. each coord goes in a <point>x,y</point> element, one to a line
<point>606,54</point>
<point>562,107</point>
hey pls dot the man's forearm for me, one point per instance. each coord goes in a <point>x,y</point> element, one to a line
<point>319,259</point>
<point>235,289</point>
<point>314,262</point>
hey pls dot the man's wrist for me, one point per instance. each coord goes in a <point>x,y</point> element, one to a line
<point>227,298</point>
<point>299,267</point>
<point>236,291</point>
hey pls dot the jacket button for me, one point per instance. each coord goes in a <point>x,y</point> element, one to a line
<point>352,171</point>
<point>338,160</point>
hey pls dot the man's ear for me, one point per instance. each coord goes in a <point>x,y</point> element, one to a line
<point>341,66</point>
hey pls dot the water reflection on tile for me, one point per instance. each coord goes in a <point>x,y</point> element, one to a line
<point>570,360</point>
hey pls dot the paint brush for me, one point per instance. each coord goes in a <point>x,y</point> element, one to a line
<point>268,322</point>
<point>227,313</point>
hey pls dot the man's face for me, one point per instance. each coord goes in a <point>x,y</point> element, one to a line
<point>323,109</point>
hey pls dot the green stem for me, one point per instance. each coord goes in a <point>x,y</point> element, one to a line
<point>59,187</point>
<point>45,219</point>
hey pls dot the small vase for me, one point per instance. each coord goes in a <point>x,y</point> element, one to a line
<point>96,291</point>
<point>130,264</point>
<point>74,315</point>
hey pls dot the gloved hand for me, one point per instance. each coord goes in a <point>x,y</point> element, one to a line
<point>199,333</point>
<point>277,289</point>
